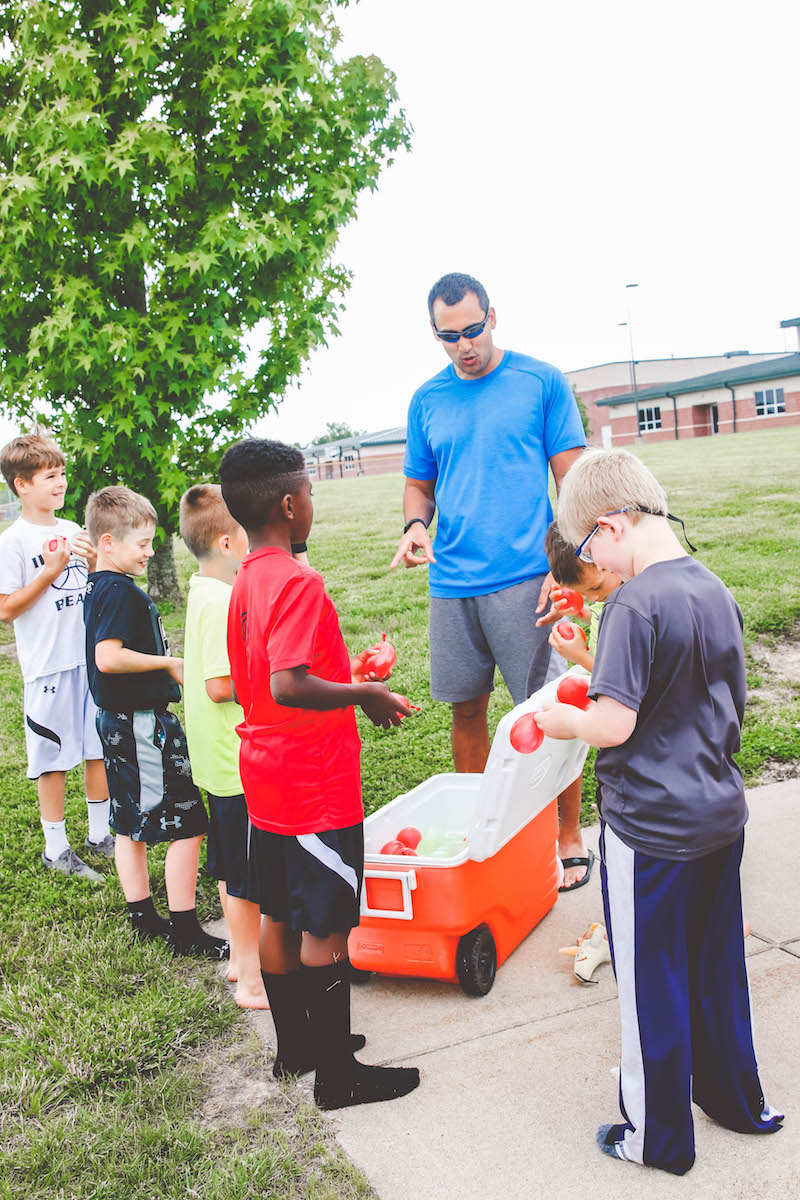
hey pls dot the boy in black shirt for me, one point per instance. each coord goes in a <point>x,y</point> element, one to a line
<point>133,679</point>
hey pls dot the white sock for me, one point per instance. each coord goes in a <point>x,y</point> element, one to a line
<point>98,819</point>
<point>55,838</point>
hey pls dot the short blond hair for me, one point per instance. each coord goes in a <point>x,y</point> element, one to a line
<point>600,482</point>
<point>22,457</point>
<point>118,511</point>
<point>204,518</point>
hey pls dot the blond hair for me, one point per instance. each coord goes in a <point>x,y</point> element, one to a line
<point>118,511</point>
<point>22,457</point>
<point>600,482</point>
<point>204,518</point>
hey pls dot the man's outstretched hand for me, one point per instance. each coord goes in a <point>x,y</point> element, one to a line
<point>408,548</point>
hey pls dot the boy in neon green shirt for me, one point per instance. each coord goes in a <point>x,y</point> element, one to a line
<point>594,585</point>
<point>211,715</point>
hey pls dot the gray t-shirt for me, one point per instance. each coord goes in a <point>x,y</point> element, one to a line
<point>670,647</point>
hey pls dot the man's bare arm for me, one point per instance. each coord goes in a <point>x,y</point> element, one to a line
<point>561,463</point>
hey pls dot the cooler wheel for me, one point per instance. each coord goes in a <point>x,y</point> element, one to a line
<point>476,961</point>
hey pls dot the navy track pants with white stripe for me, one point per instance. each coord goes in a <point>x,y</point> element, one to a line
<point>675,930</point>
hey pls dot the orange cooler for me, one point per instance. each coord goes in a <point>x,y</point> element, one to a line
<point>487,869</point>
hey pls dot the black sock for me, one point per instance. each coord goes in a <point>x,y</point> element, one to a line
<point>145,920</point>
<point>286,995</point>
<point>297,1054</point>
<point>187,937</point>
<point>341,1081</point>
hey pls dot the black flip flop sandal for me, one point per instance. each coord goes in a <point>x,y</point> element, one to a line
<point>587,862</point>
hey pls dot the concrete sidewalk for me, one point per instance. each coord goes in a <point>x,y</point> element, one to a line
<point>515,1084</point>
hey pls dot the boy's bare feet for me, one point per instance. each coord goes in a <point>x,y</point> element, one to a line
<point>251,997</point>
<point>232,974</point>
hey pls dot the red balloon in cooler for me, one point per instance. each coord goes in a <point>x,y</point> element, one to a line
<point>574,690</point>
<point>526,736</point>
<point>394,847</point>
<point>410,836</point>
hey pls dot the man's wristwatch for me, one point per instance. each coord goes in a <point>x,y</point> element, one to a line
<point>299,547</point>
<point>408,524</point>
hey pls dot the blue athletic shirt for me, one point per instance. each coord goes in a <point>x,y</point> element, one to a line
<point>487,443</point>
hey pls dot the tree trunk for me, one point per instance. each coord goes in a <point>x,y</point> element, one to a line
<point>162,578</point>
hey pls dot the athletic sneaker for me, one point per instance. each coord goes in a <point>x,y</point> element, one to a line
<point>106,847</point>
<point>68,863</point>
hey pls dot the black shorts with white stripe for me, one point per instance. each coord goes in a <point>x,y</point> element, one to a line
<point>310,880</point>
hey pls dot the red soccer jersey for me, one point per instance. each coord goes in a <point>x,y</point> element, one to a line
<point>301,769</point>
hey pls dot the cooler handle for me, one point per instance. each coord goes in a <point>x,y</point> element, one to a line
<point>408,884</point>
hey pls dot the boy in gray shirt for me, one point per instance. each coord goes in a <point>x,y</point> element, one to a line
<point>669,690</point>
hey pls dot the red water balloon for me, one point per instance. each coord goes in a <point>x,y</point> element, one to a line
<point>574,690</point>
<point>394,847</point>
<point>408,704</point>
<point>410,837</point>
<point>567,631</point>
<point>526,736</point>
<point>574,600</point>
<point>381,660</point>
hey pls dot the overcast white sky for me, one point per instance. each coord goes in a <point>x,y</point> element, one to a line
<point>560,151</point>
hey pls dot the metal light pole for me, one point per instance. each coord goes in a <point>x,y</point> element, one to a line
<point>628,286</point>
<point>629,323</point>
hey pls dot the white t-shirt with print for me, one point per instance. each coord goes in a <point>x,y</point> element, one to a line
<point>50,635</point>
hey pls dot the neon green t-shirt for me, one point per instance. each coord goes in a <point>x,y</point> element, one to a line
<point>210,728</point>
<point>595,609</point>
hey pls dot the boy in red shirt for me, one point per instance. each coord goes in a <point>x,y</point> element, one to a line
<point>300,764</point>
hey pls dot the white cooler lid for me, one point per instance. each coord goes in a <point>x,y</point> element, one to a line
<point>516,787</point>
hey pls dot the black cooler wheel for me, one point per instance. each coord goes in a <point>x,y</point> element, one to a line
<point>476,961</point>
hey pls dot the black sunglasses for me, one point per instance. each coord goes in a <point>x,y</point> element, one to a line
<point>472,331</point>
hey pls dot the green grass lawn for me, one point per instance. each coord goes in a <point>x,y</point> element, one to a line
<point>110,1050</point>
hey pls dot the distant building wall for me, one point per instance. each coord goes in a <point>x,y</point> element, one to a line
<point>613,379</point>
<point>696,413</point>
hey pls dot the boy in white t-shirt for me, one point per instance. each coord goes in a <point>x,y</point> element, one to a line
<point>44,561</point>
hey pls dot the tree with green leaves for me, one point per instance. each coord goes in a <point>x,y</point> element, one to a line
<point>336,431</point>
<point>582,410</point>
<point>173,181</point>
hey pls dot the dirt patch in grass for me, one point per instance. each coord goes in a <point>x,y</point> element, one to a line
<point>778,772</point>
<point>777,661</point>
<point>237,1083</point>
<point>240,1097</point>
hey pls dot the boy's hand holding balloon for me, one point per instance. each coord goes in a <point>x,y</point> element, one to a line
<point>565,602</point>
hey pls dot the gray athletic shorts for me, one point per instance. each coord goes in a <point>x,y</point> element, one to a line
<point>471,635</point>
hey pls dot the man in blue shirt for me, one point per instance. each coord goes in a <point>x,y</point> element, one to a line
<point>481,435</point>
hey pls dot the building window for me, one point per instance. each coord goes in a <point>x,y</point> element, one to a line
<point>349,462</point>
<point>311,466</point>
<point>649,419</point>
<point>769,402</point>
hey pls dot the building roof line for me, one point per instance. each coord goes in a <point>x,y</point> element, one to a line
<point>626,362</point>
<point>776,368</point>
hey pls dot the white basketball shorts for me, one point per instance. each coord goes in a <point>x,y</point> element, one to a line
<point>60,729</point>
